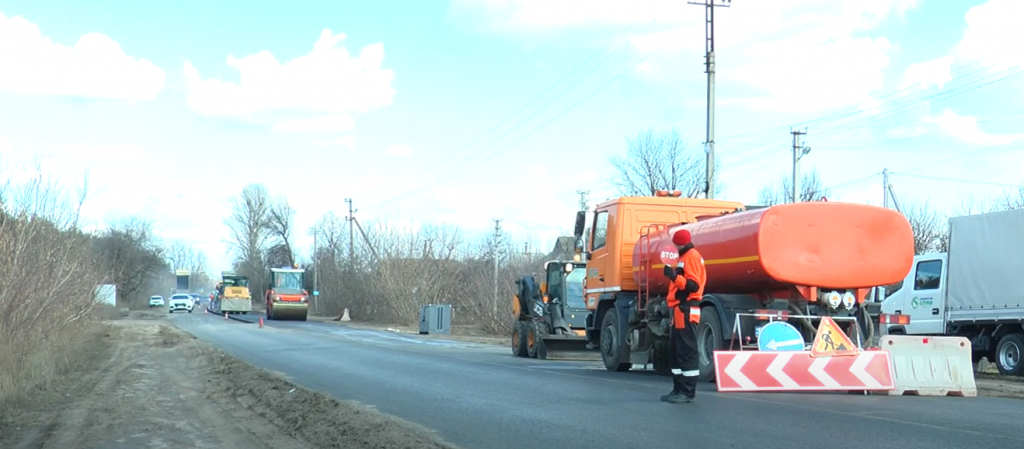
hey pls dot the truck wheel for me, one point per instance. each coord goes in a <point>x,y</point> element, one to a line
<point>709,339</point>
<point>532,341</point>
<point>1008,354</point>
<point>519,339</point>
<point>614,351</point>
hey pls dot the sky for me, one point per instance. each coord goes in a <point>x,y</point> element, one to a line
<point>462,112</point>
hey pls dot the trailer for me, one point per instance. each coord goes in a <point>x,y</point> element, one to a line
<point>968,291</point>
<point>181,281</point>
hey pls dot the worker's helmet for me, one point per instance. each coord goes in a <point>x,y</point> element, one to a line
<point>681,237</point>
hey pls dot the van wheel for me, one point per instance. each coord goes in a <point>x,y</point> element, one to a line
<point>1008,354</point>
<point>614,351</point>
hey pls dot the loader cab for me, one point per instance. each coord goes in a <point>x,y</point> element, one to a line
<point>564,281</point>
<point>921,296</point>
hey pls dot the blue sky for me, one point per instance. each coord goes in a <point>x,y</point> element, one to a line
<point>172,107</point>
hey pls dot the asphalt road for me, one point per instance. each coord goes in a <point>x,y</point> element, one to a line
<point>479,396</point>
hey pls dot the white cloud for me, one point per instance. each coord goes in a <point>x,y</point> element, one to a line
<point>327,123</point>
<point>347,141</point>
<point>965,128</point>
<point>994,32</point>
<point>930,73</point>
<point>95,67</point>
<point>325,80</point>
<point>399,150</point>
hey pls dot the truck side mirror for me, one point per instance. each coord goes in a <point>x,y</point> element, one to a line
<point>581,222</point>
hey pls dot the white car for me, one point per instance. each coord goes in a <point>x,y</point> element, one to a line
<point>180,302</point>
<point>156,301</point>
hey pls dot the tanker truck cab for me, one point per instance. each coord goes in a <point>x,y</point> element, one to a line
<point>624,323</point>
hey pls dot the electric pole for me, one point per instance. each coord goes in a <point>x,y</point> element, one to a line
<point>316,270</point>
<point>885,188</point>
<point>494,254</point>
<point>798,152</point>
<point>351,231</point>
<point>583,198</point>
<point>709,63</point>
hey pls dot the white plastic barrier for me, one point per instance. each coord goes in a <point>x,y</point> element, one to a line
<point>930,366</point>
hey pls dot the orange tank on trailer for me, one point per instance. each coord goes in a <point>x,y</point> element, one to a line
<point>819,244</point>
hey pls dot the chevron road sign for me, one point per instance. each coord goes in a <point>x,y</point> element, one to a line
<point>798,371</point>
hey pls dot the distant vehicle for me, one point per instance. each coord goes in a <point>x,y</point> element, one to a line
<point>180,301</point>
<point>195,298</point>
<point>156,301</point>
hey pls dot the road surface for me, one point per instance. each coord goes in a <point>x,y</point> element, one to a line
<point>479,396</point>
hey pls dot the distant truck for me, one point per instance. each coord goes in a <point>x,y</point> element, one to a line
<point>181,281</point>
<point>969,291</point>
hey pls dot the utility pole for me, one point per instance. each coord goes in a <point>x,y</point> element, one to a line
<point>583,198</point>
<point>351,232</point>
<point>316,270</point>
<point>885,188</point>
<point>709,63</point>
<point>494,254</point>
<point>798,152</point>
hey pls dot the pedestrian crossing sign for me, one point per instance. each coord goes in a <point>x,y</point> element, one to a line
<point>831,341</point>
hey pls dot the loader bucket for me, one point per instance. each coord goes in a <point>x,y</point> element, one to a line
<point>567,347</point>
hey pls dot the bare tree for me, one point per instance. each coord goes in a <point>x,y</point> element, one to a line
<point>280,220</point>
<point>930,233</point>
<point>250,235</point>
<point>811,189</point>
<point>662,161</point>
<point>131,255</point>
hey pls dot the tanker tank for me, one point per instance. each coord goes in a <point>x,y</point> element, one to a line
<point>819,244</point>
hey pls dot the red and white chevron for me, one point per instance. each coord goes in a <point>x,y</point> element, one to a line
<point>798,371</point>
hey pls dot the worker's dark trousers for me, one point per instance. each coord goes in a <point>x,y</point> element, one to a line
<point>683,355</point>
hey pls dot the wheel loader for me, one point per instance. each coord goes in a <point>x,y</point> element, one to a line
<point>551,317</point>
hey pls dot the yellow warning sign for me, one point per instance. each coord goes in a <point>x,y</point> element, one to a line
<point>832,341</point>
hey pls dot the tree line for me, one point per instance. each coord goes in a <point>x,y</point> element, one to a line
<point>51,266</point>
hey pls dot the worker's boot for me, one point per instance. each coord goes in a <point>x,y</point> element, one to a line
<point>677,388</point>
<point>687,390</point>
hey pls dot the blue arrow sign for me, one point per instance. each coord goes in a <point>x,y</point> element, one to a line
<point>780,336</point>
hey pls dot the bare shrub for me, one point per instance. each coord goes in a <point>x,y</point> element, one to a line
<point>47,285</point>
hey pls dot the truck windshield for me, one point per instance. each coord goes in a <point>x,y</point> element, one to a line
<point>288,282</point>
<point>574,288</point>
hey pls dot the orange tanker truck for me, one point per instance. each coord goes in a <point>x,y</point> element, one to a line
<point>800,259</point>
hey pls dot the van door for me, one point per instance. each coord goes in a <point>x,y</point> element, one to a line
<point>923,299</point>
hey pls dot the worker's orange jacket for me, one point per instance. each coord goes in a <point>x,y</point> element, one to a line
<point>691,263</point>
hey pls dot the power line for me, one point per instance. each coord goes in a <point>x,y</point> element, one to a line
<point>965,181</point>
<point>413,192</point>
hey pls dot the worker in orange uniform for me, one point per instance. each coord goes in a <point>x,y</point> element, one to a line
<point>686,287</point>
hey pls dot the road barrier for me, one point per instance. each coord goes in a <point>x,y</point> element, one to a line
<point>345,317</point>
<point>748,371</point>
<point>931,366</point>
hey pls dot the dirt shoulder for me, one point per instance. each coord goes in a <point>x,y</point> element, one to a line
<point>151,385</point>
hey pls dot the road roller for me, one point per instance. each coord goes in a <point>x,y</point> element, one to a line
<point>286,298</point>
